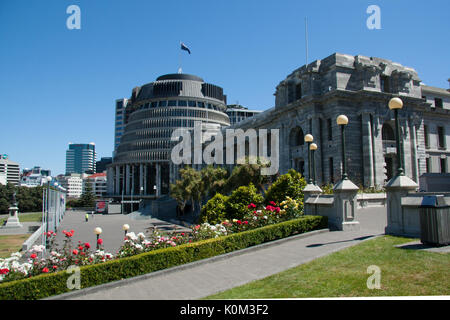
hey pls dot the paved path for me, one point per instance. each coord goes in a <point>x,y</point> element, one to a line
<point>210,276</point>
<point>23,230</point>
<point>111,225</point>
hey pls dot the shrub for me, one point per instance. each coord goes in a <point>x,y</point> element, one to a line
<point>290,185</point>
<point>214,210</point>
<point>237,203</point>
<point>50,284</point>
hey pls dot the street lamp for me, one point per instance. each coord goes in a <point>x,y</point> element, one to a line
<point>396,104</point>
<point>313,148</point>
<point>98,231</point>
<point>125,228</point>
<point>342,120</point>
<point>309,139</point>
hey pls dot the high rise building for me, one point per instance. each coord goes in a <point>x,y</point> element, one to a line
<point>80,158</point>
<point>9,171</point>
<point>119,123</point>
<point>73,183</point>
<point>100,166</point>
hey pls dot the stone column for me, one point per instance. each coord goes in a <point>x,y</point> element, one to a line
<point>396,188</point>
<point>132,180</point>
<point>110,180</point>
<point>158,179</point>
<point>141,178</point>
<point>310,192</point>
<point>117,184</point>
<point>368,173</point>
<point>127,179</point>
<point>345,203</point>
<point>145,178</point>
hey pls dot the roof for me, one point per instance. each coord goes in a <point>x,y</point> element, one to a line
<point>97,175</point>
<point>435,90</point>
<point>179,76</point>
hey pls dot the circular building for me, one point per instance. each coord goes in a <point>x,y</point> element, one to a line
<point>141,164</point>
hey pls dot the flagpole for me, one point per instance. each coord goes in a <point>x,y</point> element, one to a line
<point>180,70</point>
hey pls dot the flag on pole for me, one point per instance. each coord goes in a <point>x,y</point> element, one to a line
<point>184,47</point>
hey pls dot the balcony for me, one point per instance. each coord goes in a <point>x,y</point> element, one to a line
<point>389,147</point>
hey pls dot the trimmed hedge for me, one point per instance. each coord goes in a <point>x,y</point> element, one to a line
<point>46,285</point>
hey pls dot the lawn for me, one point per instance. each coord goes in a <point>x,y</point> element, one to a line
<point>11,243</point>
<point>404,272</point>
<point>26,217</point>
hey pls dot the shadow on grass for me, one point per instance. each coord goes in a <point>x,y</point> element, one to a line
<point>323,244</point>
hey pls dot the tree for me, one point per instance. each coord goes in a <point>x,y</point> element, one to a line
<point>87,198</point>
<point>237,204</point>
<point>290,184</point>
<point>244,174</point>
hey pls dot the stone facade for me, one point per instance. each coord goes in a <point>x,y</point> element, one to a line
<point>311,98</point>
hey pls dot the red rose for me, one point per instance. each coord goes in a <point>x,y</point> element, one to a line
<point>33,256</point>
<point>55,267</point>
<point>273,203</point>
<point>277,209</point>
<point>80,248</point>
<point>45,270</point>
<point>239,222</point>
<point>245,222</point>
<point>75,251</point>
<point>4,271</point>
<point>87,245</point>
<point>72,232</point>
<point>99,241</point>
<point>182,234</point>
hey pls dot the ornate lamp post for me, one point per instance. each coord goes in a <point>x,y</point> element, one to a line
<point>342,121</point>
<point>98,231</point>
<point>309,139</point>
<point>125,228</point>
<point>396,104</point>
<point>313,148</point>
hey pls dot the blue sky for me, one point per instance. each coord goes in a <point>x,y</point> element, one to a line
<point>59,85</point>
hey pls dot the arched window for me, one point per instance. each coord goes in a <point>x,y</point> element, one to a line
<point>387,133</point>
<point>296,137</point>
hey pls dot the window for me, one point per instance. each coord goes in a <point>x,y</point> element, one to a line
<point>298,91</point>
<point>428,164</point>
<point>426,136</point>
<point>385,84</point>
<point>192,103</point>
<point>154,104</point>
<point>163,103</point>
<point>331,170</point>
<point>438,102</point>
<point>443,165</point>
<point>441,138</point>
<point>182,103</point>
<point>172,103</point>
<point>330,132</point>
<point>201,104</point>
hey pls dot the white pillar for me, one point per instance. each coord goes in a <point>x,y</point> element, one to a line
<point>141,177</point>
<point>145,178</point>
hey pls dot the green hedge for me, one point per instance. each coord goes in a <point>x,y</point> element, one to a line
<point>46,285</point>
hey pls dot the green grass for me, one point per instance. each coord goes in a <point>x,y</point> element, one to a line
<point>26,217</point>
<point>404,272</point>
<point>11,243</point>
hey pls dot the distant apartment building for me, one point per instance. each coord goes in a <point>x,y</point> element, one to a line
<point>73,184</point>
<point>80,158</point>
<point>119,122</point>
<point>34,177</point>
<point>238,113</point>
<point>98,184</point>
<point>9,171</point>
<point>100,166</point>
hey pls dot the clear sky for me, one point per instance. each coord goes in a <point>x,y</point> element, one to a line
<point>59,85</point>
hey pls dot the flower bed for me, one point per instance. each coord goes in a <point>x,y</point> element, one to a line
<point>54,282</point>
